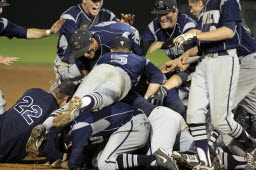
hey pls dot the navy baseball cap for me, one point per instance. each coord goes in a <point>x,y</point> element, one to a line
<point>164,6</point>
<point>80,42</point>
<point>120,42</point>
<point>68,87</point>
<point>3,3</point>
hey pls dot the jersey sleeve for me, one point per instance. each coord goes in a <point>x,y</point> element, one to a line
<point>231,11</point>
<point>153,74</point>
<point>10,30</point>
<point>147,38</point>
<point>188,24</point>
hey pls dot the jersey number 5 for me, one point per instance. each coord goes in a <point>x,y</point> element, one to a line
<point>121,59</point>
<point>28,110</point>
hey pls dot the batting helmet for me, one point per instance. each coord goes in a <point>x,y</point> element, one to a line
<point>3,3</point>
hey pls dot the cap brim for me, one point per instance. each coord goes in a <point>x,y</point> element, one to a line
<point>79,53</point>
<point>160,12</point>
<point>4,4</point>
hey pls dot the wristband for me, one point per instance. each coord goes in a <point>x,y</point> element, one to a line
<point>48,32</point>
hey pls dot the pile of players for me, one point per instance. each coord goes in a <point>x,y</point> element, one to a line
<point>111,108</point>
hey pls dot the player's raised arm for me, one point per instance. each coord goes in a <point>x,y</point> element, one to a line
<point>8,60</point>
<point>34,33</point>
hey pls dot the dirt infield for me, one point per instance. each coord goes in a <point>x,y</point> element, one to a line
<point>15,80</point>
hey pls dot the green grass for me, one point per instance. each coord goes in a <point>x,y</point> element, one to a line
<point>34,52</point>
<point>43,51</point>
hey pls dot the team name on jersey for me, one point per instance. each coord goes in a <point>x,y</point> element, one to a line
<point>211,17</point>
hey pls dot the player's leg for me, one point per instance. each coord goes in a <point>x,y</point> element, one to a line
<point>246,82</point>
<point>128,138</point>
<point>166,125</point>
<point>104,85</point>
<point>197,109</point>
<point>38,133</point>
<point>221,99</point>
<point>174,102</point>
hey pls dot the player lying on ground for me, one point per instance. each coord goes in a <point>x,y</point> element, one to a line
<point>169,130</point>
<point>128,130</point>
<point>30,110</point>
<point>110,80</point>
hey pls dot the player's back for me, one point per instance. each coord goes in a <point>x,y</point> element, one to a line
<point>133,64</point>
<point>107,31</point>
<point>16,123</point>
<point>248,42</point>
<point>100,123</point>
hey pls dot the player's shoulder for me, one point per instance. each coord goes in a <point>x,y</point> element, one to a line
<point>72,12</point>
<point>3,21</point>
<point>184,18</point>
<point>35,91</point>
<point>106,11</point>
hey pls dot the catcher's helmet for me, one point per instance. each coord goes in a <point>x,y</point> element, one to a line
<point>3,3</point>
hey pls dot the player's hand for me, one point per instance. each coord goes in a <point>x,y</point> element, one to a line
<point>159,96</point>
<point>155,46</point>
<point>127,18</point>
<point>182,61</point>
<point>184,39</point>
<point>8,60</point>
<point>97,140</point>
<point>169,66</point>
<point>57,25</point>
<point>60,164</point>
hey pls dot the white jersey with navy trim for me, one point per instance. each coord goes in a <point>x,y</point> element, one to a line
<point>76,18</point>
<point>154,32</point>
<point>10,30</point>
<point>229,10</point>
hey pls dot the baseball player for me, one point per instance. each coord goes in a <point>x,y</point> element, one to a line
<point>10,30</point>
<point>215,79</point>
<point>128,129</point>
<point>101,43</point>
<point>30,110</point>
<point>119,70</point>
<point>245,97</point>
<point>85,15</point>
<point>168,25</point>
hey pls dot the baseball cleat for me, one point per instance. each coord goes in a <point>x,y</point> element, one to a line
<point>35,140</point>
<point>250,165</point>
<point>187,161</point>
<point>67,114</point>
<point>163,160</point>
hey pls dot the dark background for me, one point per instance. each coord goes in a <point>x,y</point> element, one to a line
<point>43,13</point>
